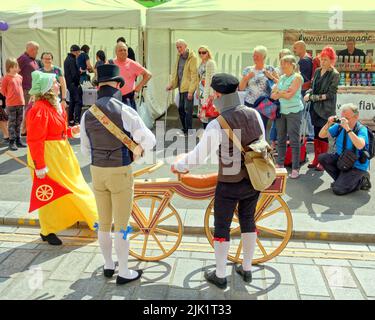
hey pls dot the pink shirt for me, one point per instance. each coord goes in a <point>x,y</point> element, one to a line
<point>11,89</point>
<point>129,70</point>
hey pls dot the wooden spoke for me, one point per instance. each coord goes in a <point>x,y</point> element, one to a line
<point>167,232</point>
<point>261,247</point>
<point>268,214</point>
<point>145,245</point>
<point>239,250</point>
<point>159,244</point>
<point>138,212</point>
<point>151,210</point>
<point>275,232</point>
<point>165,218</point>
<point>258,213</point>
<point>134,235</point>
<point>234,230</point>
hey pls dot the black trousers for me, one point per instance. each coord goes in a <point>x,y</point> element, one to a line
<point>344,182</point>
<point>227,197</point>
<point>129,100</point>
<point>75,102</point>
<point>185,109</point>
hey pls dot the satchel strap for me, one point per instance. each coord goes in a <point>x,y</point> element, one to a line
<point>112,128</point>
<point>228,130</point>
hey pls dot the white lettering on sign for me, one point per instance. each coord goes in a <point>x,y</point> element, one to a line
<point>335,22</point>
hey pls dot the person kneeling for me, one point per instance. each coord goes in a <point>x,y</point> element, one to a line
<point>348,166</point>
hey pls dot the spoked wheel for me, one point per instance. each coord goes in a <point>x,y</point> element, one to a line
<point>273,220</point>
<point>153,243</point>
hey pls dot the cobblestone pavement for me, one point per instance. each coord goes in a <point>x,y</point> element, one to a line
<point>30,269</point>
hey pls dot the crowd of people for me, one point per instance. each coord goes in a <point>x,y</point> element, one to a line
<point>35,95</point>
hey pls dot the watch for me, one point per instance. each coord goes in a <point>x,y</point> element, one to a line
<point>349,131</point>
<point>63,99</point>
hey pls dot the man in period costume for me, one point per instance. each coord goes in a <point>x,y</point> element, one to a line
<point>111,167</point>
<point>234,186</point>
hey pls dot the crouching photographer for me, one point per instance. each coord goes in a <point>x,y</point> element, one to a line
<point>349,165</point>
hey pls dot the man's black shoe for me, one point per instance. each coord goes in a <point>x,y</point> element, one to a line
<point>365,184</point>
<point>212,278</point>
<point>12,145</point>
<point>121,280</point>
<point>20,144</point>
<point>108,273</point>
<point>246,275</point>
<point>52,239</point>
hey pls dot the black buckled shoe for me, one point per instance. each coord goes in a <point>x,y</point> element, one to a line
<point>214,279</point>
<point>52,239</point>
<point>20,144</point>
<point>121,280</point>
<point>108,273</point>
<point>246,275</point>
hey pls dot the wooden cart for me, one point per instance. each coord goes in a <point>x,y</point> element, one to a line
<point>158,227</point>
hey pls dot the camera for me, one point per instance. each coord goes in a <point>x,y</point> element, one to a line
<point>337,120</point>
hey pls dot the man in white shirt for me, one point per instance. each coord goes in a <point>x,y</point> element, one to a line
<point>234,186</point>
<point>111,170</point>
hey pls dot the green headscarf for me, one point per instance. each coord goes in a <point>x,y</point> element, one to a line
<point>41,82</point>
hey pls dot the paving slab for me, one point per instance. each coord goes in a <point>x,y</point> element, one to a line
<point>347,294</point>
<point>283,292</point>
<point>16,262</point>
<point>339,277</point>
<point>366,277</point>
<point>314,284</point>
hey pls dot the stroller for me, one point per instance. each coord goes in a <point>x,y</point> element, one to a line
<point>303,150</point>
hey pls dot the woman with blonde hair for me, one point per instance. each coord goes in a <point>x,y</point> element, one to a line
<point>288,92</point>
<point>206,70</point>
<point>50,152</point>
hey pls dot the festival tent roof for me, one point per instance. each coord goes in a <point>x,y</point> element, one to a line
<point>73,13</point>
<point>263,15</point>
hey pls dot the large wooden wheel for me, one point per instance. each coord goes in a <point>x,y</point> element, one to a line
<point>153,243</point>
<point>273,220</point>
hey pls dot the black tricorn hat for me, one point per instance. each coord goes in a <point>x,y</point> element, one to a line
<point>109,72</point>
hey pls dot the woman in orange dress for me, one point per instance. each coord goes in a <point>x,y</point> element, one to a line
<point>50,152</point>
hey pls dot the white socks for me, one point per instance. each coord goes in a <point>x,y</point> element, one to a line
<point>122,251</point>
<point>221,254</point>
<point>248,249</point>
<point>105,242</point>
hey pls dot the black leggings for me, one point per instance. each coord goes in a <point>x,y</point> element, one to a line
<point>316,134</point>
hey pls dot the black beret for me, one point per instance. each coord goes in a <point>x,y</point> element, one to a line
<point>224,83</point>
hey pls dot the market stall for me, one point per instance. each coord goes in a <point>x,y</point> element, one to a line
<point>233,30</point>
<point>357,72</point>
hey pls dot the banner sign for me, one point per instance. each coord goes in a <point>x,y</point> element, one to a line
<point>329,37</point>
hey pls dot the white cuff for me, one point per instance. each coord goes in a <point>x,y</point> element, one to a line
<point>41,172</point>
<point>76,135</point>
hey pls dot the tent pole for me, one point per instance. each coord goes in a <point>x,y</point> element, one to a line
<point>59,46</point>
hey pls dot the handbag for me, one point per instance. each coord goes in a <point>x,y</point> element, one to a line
<point>268,107</point>
<point>208,110</point>
<point>348,157</point>
<point>258,159</point>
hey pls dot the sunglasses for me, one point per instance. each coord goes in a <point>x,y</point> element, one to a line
<point>202,52</point>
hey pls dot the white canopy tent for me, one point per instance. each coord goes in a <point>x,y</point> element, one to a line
<point>56,25</point>
<point>233,28</point>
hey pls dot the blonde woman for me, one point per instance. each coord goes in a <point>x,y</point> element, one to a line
<point>288,91</point>
<point>50,152</point>
<point>206,70</point>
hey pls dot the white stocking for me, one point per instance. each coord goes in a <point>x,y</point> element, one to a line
<point>221,254</point>
<point>122,251</point>
<point>248,248</point>
<point>105,243</point>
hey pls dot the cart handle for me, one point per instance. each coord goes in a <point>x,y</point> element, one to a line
<point>148,169</point>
